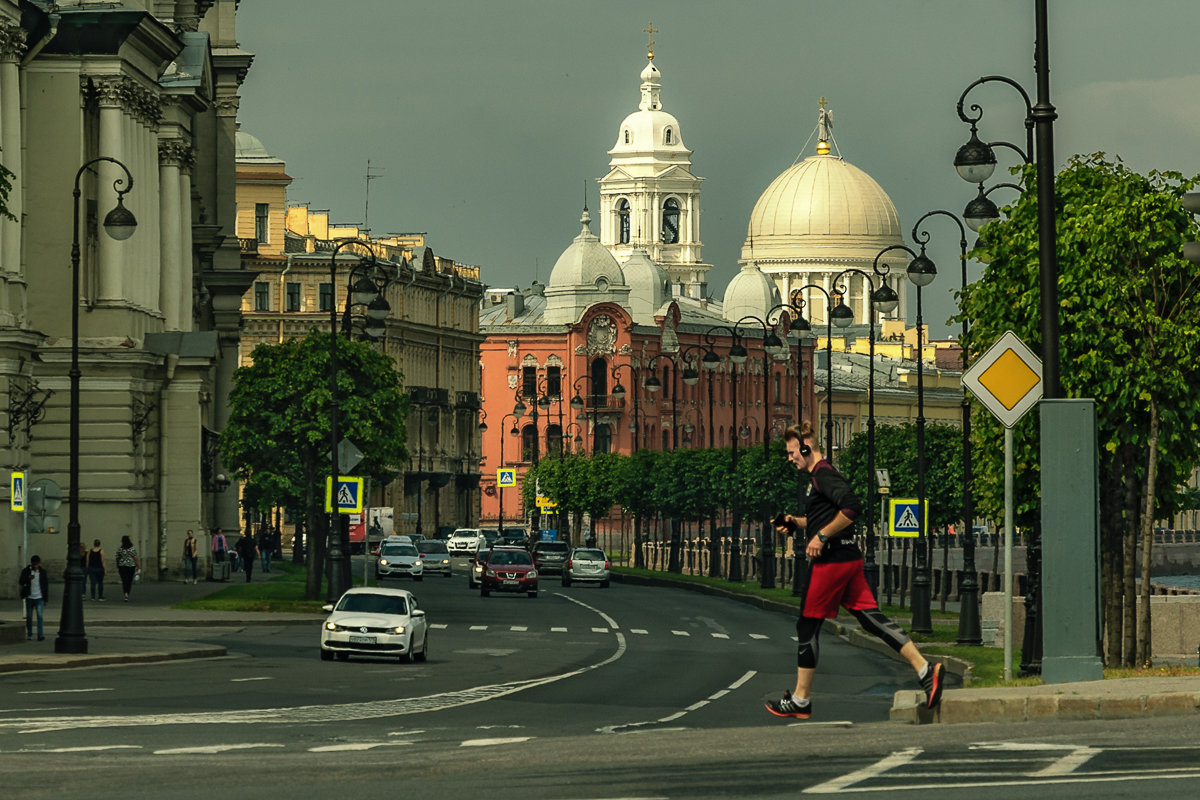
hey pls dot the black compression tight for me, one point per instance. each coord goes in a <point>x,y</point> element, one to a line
<point>808,634</point>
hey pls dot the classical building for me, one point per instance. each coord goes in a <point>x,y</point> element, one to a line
<point>432,332</point>
<point>130,103</point>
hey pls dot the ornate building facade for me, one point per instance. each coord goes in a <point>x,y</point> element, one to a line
<point>153,86</point>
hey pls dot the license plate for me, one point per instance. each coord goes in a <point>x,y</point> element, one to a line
<point>511,582</point>
<point>362,640</point>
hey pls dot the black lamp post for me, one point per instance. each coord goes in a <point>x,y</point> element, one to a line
<point>737,357</point>
<point>577,440</point>
<point>921,272</point>
<point>577,404</point>
<point>881,299</point>
<point>653,385</point>
<point>968,590</point>
<point>975,162</point>
<point>797,302</point>
<point>336,563</point>
<point>119,224</point>
<point>500,489</point>
<point>618,393</point>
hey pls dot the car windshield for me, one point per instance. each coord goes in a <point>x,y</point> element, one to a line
<point>466,533</point>
<point>432,547</point>
<point>398,550</point>
<point>552,547</point>
<point>583,554</point>
<point>373,603</point>
<point>509,558</point>
<point>482,555</point>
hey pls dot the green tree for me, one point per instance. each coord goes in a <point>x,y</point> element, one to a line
<point>1129,330</point>
<point>277,438</point>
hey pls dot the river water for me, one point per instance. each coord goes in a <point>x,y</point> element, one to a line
<point>1178,581</point>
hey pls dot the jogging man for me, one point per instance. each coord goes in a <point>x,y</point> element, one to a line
<point>836,577</point>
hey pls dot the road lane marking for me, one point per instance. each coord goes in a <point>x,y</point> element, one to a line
<point>214,749</point>
<point>358,746</point>
<point>247,680</point>
<point>599,630</point>
<point>672,717</point>
<point>558,630</point>
<point>478,628</point>
<point>91,749</point>
<point>439,626</point>
<point>518,628</point>
<point>681,633</point>
<point>316,714</point>
<point>491,742</point>
<point>897,759</point>
<point>64,691</point>
<point>640,631</point>
<point>720,635</point>
<point>759,636</point>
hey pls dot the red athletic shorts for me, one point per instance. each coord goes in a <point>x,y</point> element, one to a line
<point>835,584</point>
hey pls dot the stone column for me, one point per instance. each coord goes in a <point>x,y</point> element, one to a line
<point>186,262</point>
<point>171,153</point>
<point>111,254</point>
<point>12,47</point>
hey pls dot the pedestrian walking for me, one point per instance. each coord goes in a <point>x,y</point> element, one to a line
<point>35,591</point>
<point>266,547</point>
<point>191,557</point>
<point>95,570</point>
<point>247,553</point>
<point>218,547</point>
<point>128,564</point>
<point>835,577</point>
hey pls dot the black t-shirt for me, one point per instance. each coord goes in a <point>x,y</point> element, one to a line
<point>828,494</point>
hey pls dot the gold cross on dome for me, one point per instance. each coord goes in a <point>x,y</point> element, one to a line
<point>650,30</point>
<point>822,103</point>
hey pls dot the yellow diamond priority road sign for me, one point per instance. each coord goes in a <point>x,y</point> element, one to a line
<point>1007,379</point>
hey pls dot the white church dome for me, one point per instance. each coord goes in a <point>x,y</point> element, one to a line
<point>823,208</point>
<point>586,273</point>
<point>248,148</point>
<point>649,285</point>
<point>750,292</point>
<point>649,128</point>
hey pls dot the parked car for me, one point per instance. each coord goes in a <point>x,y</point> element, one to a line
<point>475,567</point>
<point>508,569</point>
<point>550,556</point>
<point>397,560</point>
<point>586,564</point>
<point>435,556</point>
<point>464,541</point>
<point>375,622</point>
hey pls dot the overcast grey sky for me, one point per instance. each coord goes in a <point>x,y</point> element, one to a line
<point>484,118</point>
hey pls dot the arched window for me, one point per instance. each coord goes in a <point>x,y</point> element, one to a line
<point>666,439</point>
<point>599,382</point>
<point>602,439</point>
<point>666,383</point>
<point>627,137</point>
<point>554,440</point>
<point>623,221</point>
<point>529,442</point>
<point>667,136</point>
<point>670,221</point>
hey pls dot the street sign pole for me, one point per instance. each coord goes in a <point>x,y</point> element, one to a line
<point>1008,552</point>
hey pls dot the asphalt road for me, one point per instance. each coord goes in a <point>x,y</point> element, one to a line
<point>581,693</point>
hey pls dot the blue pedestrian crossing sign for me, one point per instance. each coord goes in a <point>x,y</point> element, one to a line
<point>902,517</point>
<point>349,495</point>
<point>18,491</point>
<point>506,477</point>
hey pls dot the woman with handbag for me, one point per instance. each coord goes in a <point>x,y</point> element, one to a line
<point>127,564</point>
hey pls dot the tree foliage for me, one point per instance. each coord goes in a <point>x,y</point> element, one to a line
<point>1129,338</point>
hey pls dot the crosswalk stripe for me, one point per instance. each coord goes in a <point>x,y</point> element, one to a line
<point>720,635</point>
<point>681,633</point>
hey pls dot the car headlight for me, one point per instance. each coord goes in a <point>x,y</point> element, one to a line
<point>478,568</point>
<point>331,626</point>
<point>398,629</point>
<point>417,563</point>
<point>383,562</point>
<point>531,574</point>
<point>445,561</point>
<point>491,573</point>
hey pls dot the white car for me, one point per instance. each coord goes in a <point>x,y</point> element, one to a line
<point>464,541</point>
<point>375,622</point>
<point>586,564</point>
<point>399,559</point>
<point>435,556</point>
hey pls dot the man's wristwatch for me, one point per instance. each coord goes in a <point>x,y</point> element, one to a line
<point>824,539</point>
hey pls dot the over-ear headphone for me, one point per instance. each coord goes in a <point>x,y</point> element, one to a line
<point>805,450</point>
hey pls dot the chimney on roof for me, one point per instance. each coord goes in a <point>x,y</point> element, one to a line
<point>514,305</point>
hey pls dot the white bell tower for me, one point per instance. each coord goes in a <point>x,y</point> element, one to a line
<point>650,198</point>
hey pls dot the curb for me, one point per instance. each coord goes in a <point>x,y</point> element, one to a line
<point>73,661</point>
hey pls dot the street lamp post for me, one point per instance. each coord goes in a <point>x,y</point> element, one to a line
<point>968,590</point>
<point>737,357</point>
<point>921,272</point>
<point>797,302</point>
<point>500,489</point>
<point>882,299</point>
<point>119,224</point>
<point>653,384</point>
<point>975,162</point>
<point>336,563</point>
<point>577,404</point>
<point>618,393</point>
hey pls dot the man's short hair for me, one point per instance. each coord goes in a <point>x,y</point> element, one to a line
<point>35,560</point>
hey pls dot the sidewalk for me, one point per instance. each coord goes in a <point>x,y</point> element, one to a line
<point>145,629</point>
<point>148,629</point>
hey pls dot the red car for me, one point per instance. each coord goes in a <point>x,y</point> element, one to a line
<point>508,569</point>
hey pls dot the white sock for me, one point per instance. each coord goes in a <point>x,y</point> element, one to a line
<point>925,670</point>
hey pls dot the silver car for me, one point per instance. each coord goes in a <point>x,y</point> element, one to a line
<point>375,622</point>
<point>399,559</point>
<point>586,564</point>
<point>435,556</point>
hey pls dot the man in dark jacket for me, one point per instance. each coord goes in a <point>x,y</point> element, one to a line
<point>35,591</point>
<point>248,551</point>
<point>836,577</point>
